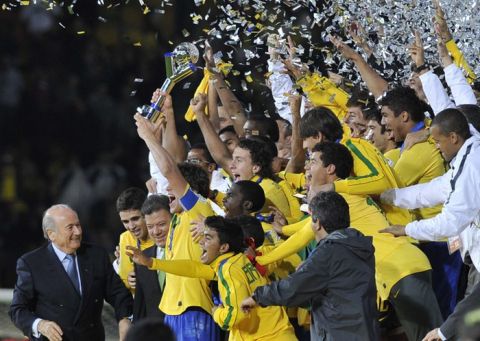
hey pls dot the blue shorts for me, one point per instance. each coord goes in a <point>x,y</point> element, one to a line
<point>193,325</point>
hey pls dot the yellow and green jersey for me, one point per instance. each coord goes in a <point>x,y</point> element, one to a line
<point>180,292</point>
<point>395,258</point>
<point>125,263</point>
<point>372,175</point>
<point>237,279</point>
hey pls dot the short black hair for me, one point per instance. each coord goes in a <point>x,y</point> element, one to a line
<point>260,156</point>
<point>228,232</point>
<point>452,121</point>
<point>155,203</point>
<point>323,121</point>
<point>331,210</point>
<point>206,152</point>
<point>268,126</point>
<point>402,99</point>
<point>131,199</point>
<point>252,192</point>
<point>150,329</point>
<point>196,177</point>
<point>251,227</point>
<point>472,114</point>
<point>336,154</point>
<point>269,144</point>
<point>227,129</point>
<point>361,98</point>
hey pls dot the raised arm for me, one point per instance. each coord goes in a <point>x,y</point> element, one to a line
<point>375,83</point>
<point>212,105</point>
<point>165,162</point>
<point>297,161</point>
<point>215,146</point>
<point>230,102</point>
<point>170,139</point>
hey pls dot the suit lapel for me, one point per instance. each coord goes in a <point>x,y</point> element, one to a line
<point>85,268</point>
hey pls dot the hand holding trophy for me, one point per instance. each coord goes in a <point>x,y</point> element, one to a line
<point>179,64</point>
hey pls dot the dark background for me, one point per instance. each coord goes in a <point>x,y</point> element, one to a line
<point>66,103</point>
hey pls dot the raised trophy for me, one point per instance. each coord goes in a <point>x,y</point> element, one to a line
<point>179,64</point>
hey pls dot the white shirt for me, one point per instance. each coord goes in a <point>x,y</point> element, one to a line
<point>62,257</point>
<point>155,173</point>
<point>459,191</point>
<point>436,94</point>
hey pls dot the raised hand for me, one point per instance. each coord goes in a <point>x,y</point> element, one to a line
<point>441,26</point>
<point>416,50</point>
<point>138,256</point>
<point>346,51</point>
<point>146,129</point>
<point>198,103</point>
<point>208,58</point>
<point>279,220</point>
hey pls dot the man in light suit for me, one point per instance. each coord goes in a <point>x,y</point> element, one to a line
<point>61,286</point>
<point>150,283</point>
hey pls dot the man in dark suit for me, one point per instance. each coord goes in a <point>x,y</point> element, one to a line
<point>150,283</point>
<point>61,286</point>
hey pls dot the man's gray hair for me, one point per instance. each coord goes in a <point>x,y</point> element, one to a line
<point>48,222</point>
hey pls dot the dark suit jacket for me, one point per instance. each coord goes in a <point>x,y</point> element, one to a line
<point>147,291</point>
<point>44,290</point>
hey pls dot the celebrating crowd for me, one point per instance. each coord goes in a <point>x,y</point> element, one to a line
<point>352,213</point>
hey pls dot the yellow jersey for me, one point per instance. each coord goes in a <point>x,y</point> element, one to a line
<point>237,279</point>
<point>460,61</point>
<point>125,263</point>
<point>371,176</point>
<point>180,292</point>
<point>395,258</point>
<point>420,164</point>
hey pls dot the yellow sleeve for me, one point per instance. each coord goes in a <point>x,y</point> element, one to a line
<point>201,89</point>
<point>321,91</point>
<point>296,242</point>
<point>233,290</point>
<point>295,180</point>
<point>295,213</point>
<point>125,263</point>
<point>460,61</point>
<point>369,177</point>
<point>219,199</point>
<point>291,229</point>
<point>184,267</point>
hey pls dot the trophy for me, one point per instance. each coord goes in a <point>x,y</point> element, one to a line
<point>179,64</point>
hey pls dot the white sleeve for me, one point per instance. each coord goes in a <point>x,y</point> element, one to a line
<point>428,194</point>
<point>155,173</point>
<point>436,94</point>
<point>281,83</point>
<point>457,214</point>
<point>462,91</point>
<point>35,332</point>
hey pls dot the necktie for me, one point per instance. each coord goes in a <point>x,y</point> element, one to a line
<point>72,272</point>
<point>161,274</point>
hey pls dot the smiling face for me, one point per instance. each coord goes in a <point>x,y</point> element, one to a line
<point>394,123</point>
<point>233,202</point>
<point>445,143</point>
<point>375,135</point>
<point>135,223</point>
<point>175,206</point>
<point>157,226</point>
<point>67,234</point>
<point>211,247</point>
<point>317,171</point>
<point>241,166</point>
<point>356,121</point>
<point>311,141</point>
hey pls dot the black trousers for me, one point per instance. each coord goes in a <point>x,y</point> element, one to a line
<point>416,305</point>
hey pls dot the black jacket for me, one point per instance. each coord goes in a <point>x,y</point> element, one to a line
<point>44,290</point>
<point>147,291</point>
<point>338,282</point>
